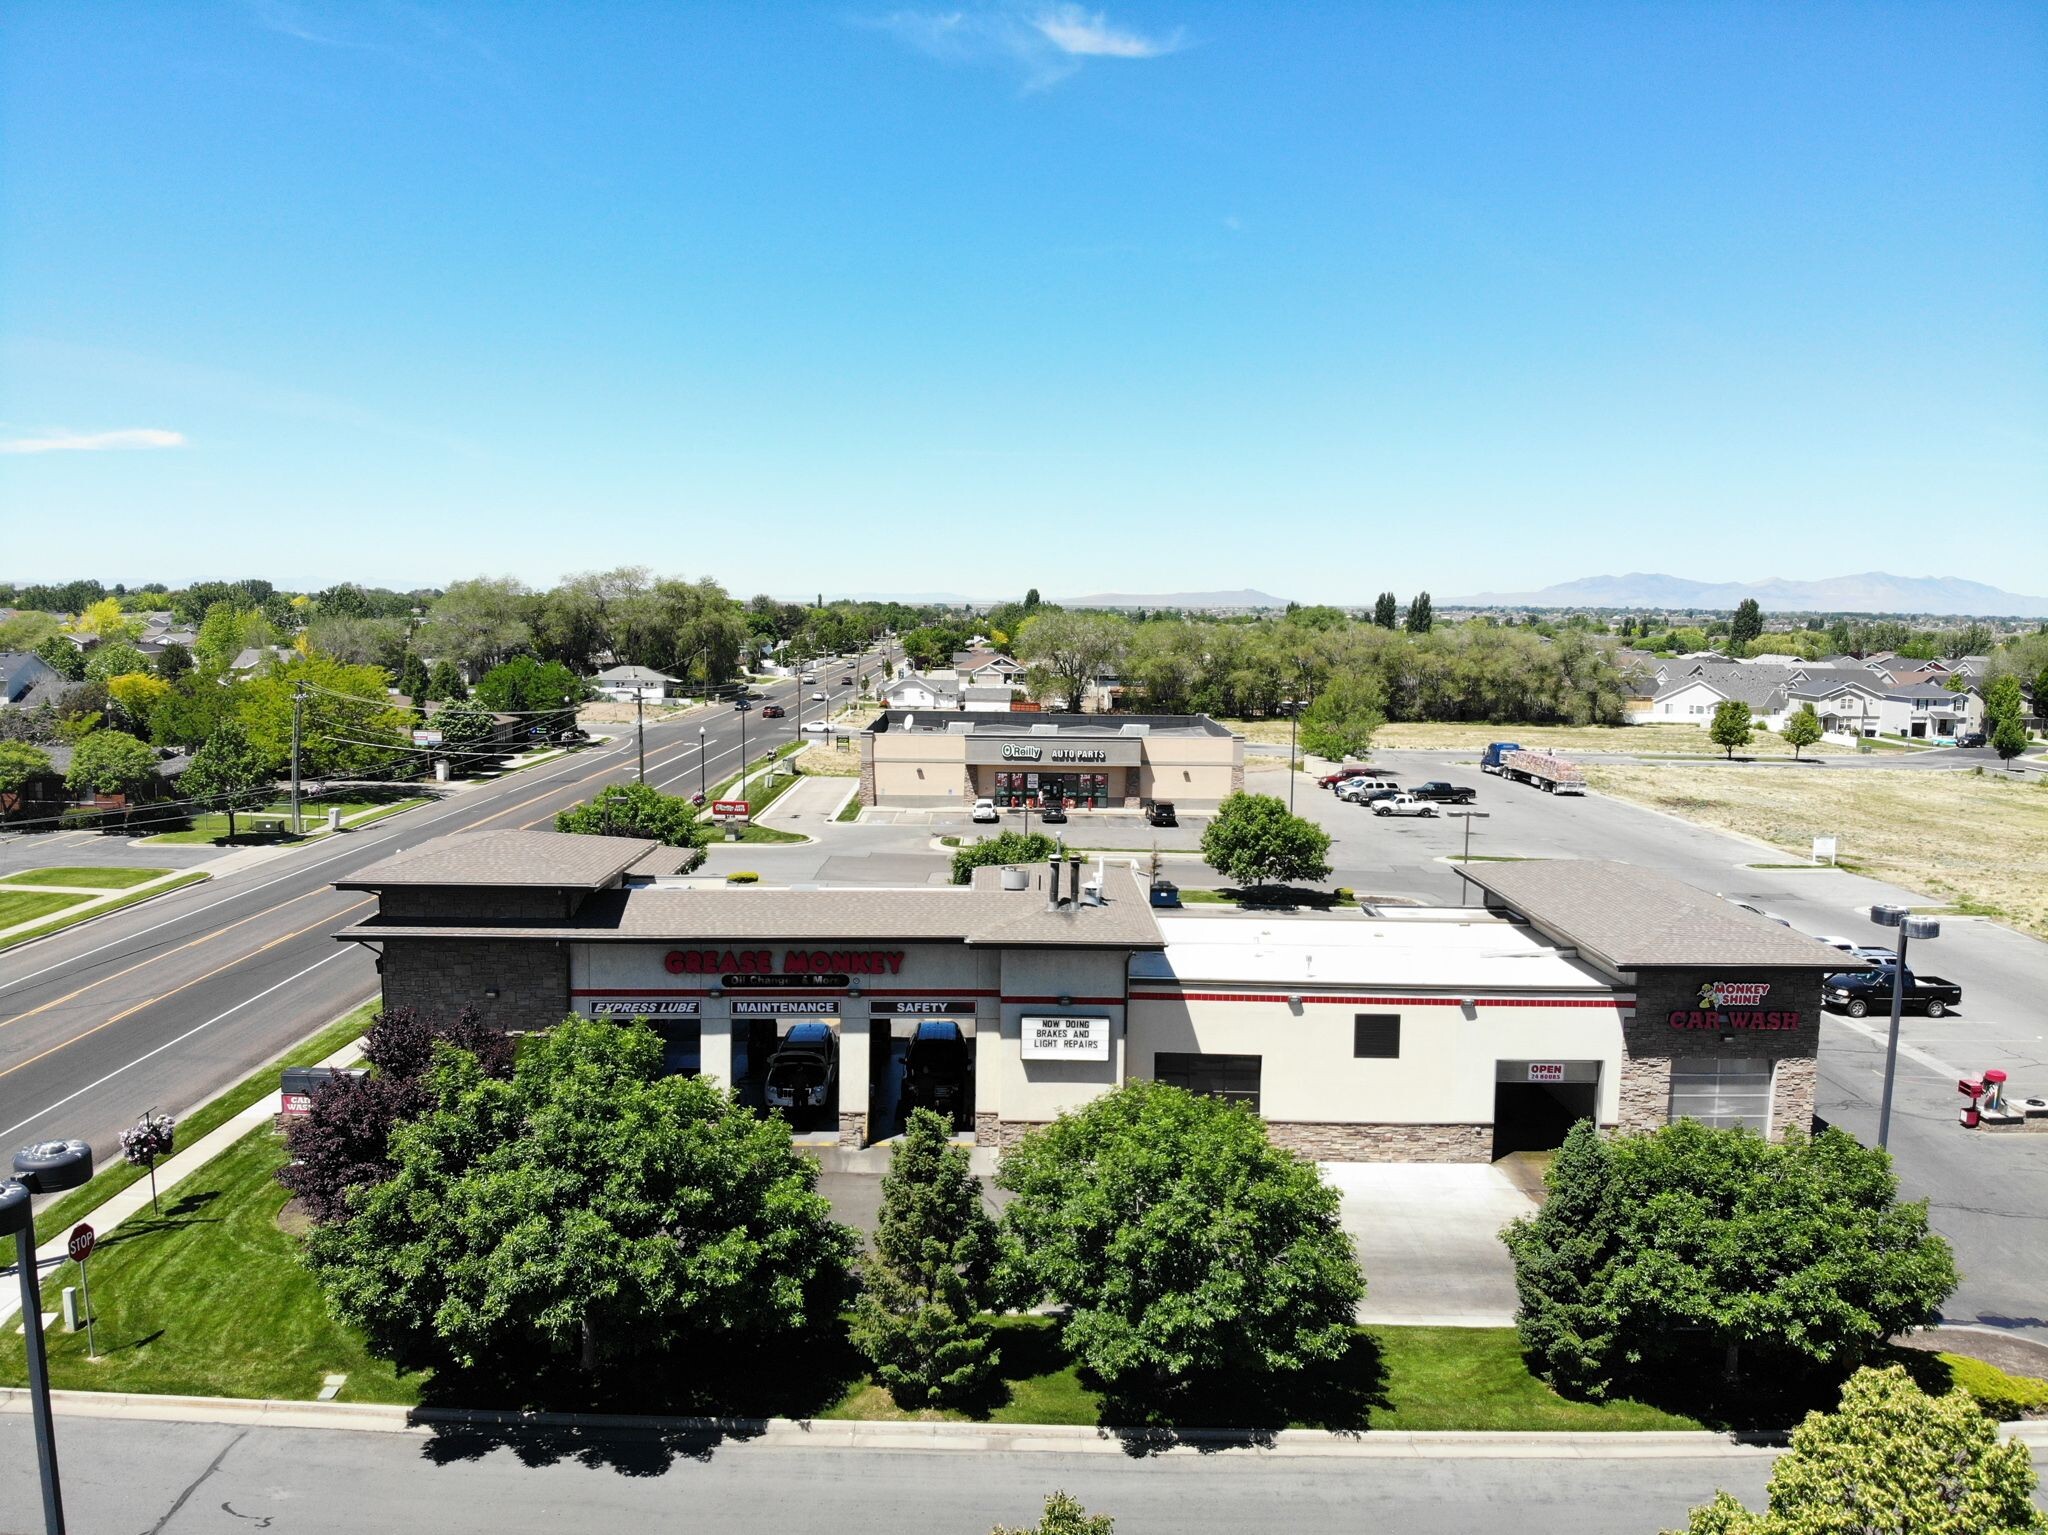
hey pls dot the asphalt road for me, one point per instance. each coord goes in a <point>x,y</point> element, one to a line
<point>188,1479</point>
<point>172,1000</point>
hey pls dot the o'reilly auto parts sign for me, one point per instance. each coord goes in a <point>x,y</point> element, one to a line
<point>1066,1039</point>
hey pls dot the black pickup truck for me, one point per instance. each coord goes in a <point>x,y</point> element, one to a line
<point>1860,991</point>
<point>1442,793</point>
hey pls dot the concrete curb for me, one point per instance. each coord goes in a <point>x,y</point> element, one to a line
<point>972,1438</point>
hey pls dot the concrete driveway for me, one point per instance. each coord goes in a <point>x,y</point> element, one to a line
<point>1428,1237</point>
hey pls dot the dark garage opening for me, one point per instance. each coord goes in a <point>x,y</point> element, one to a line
<point>1531,1113</point>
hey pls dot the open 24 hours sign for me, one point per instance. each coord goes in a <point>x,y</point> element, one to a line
<point>1065,1038</point>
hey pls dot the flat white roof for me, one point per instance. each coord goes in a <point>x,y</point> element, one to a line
<point>1483,954</point>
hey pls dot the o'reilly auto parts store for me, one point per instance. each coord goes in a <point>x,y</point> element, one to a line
<point>1578,989</point>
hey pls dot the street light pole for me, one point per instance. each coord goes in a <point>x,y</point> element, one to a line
<point>1293,769</point>
<point>1908,926</point>
<point>640,728</point>
<point>40,1169</point>
<point>700,762</point>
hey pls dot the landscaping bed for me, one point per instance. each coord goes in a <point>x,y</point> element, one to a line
<point>80,912</point>
<point>99,878</point>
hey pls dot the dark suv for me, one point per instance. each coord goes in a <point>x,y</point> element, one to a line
<point>1160,813</point>
<point>803,1072</point>
<point>936,1072</point>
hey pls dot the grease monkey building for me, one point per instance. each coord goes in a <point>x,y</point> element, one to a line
<point>1577,990</point>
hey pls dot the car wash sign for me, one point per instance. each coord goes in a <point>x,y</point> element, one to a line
<point>1733,1007</point>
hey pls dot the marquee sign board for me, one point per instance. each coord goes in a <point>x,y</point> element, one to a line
<point>1065,1039</point>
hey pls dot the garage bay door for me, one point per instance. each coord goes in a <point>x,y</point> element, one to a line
<point>1722,1092</point>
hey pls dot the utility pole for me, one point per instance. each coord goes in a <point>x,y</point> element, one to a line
<point>298,727</point>
<point>640,728</point>
<point>701,788</point>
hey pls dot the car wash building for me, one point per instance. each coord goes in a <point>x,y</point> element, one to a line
<point>1586,991</point>
<point>933,759</point>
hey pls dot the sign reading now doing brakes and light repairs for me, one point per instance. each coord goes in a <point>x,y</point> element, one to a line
<point>1066,1039</point>
<point>1734,1005</point>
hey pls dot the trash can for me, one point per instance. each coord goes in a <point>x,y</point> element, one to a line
<point>1165,893</point>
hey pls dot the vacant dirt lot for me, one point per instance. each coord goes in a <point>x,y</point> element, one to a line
<point>1961,837</point>
<point>1651,740</point>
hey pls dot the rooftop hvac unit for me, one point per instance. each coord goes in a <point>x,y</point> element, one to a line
<point>1134,728</point>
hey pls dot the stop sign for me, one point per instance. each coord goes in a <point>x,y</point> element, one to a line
<point>80,1245</point>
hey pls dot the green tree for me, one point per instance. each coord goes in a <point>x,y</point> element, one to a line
<point>2008,737</point>
<point>1196,1259</point>
<point>22,766</point>
<point>1064,1515</point>
<point>468,734</point>
<point>445,683</point>
<point>1747,626</point>
<point>1344,717</point>
<point>192,710</point>
<point>1067,651</point>
<point>639,810</point>
<point>349,726</point>
<point>1732,726</point>
<point>227,773</point>
<point>525,686</point>
<point>1670,1258</point>
<point>1005,847</point>
<point>1386,611</point>
<point>412,679</point>
<point>590,1213</point>
<point>1252,840</point>
<point>221,635</point>
<point>479,623</point>
<point>1802,729</point>
<point>1421,615</point>
<point>111,762</point>
<point>918,1320</point>
<point>114,658</point>
<point>1891,1460</point>
<point>63,657</point>
<point>173,661</point>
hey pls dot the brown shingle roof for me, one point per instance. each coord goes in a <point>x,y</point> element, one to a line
<point>1629,918</point>
<point>547,859</point>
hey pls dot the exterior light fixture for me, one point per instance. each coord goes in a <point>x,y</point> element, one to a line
<point>718,991</point>
<point>491,992</point>
<point>1294,999</point>
<point>1888,916</point>
<point>853,991</point>
<point>1066,1001</point>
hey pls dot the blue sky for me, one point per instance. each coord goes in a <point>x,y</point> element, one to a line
<point>1320,299</point>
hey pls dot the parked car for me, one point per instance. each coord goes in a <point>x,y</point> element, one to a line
<point>1971,738</point>
<point>1372,796</point>
<point>772,711</point>
<point>1439,792</point>
<point>1351,788</point>
<point>937,1071</point>
<point>1053,813</point>
<point>1403,804</point>
<point>803,1071</point>
<point>1351,770</point>
<point>985,810</point>
<point>846,682</point>
<point>1857,992</point>
<point>1160,813</point>
<point>817,728</point>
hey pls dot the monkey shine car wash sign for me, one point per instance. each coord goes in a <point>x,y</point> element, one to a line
<point>1735,1005</point>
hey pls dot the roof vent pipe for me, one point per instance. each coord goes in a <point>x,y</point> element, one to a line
<point>1074,870</point>
<point>1052,883</point>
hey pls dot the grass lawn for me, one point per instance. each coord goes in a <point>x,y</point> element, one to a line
<point>764,834</point>
<point>27,905</point>
<point>850,811</point>
<point>1980,842</point>
<point>210,1299</point>
<point>96,878</point>
<point>116,1176</point>
<point>262,825</point>
<point>86,914</point>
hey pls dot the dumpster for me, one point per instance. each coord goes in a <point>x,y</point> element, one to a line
<point>1165,893</point>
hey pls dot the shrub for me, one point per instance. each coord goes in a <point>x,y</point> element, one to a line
<point>742,877</point>
<point>1662,1260</point>
<point>1997,1394</point>
<point>640,810</point>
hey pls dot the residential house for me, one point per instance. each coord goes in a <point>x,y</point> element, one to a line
<point>623,684</point>
<point>1772,692</point>
<point>987,666</point>
<point>946,689</point>
<point>1929,711</point>
<point>255,658</point>
<point>26,680</point>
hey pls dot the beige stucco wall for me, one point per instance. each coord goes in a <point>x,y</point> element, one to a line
<point>924,770</point>
<point>1444,1074</point>
<point>917,768</point>
<point>1033,982</point>
<point>1192,771</point>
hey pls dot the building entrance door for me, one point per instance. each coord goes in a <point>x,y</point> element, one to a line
<point>1535,1103</point>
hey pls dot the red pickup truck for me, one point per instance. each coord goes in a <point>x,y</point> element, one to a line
<point>1352,770</point>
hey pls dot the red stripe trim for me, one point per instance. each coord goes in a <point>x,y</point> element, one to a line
<point>780,991</point>
<point>1617,1004</point>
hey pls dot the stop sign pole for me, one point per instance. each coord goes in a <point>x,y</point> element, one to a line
<point>80,1248</point>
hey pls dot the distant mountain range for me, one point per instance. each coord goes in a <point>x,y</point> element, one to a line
<point>1192,601</point>
<point>1873,592</point>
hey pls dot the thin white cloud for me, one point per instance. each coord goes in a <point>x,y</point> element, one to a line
<point>1047,42</point>
<point>94,442</point>
<point>1089,34</point>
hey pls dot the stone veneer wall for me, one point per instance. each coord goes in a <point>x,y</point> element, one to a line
<point>1384,1143</point>
<point>853,1130</point>
<point>988,1130</point>
<point>1792,1096</point>
<point>1645,1092</point>
<point>867,775</point>
<point>1237,775</point>
<point>442,976</point>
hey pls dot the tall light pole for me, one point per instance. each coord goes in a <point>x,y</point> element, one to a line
<point>700,763</point>
<point>640,726</point>
<point>1293,708</point>
<point>1908,926</point>
<point>40,1169</point>
<point>1468,817</point>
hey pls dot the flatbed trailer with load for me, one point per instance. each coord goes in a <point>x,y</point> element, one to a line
<point>1546,770</point>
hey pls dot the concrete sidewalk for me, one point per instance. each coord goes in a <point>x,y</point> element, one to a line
<point>809,803</point>
<point>1428,1237</point>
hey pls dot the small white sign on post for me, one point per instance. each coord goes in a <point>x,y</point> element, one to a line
<point>1823,849</point>
<point>1066,1039</point>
